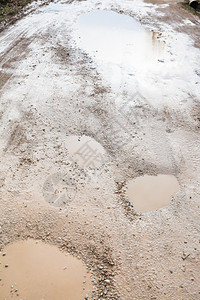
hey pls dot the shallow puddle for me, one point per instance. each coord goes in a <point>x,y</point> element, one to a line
<point>149,193</point>
<point>120,42</point>
<point>112,37</point>
<point>34,270</point>
<point>85,151</point>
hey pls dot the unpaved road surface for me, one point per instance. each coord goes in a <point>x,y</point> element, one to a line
<point>52,89</point>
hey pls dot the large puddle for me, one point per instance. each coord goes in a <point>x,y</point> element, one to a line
<point>119,42</point>
<point>149,193</point>
<point>134,58</point>
<point>117,38</point>
<point>34,270</point>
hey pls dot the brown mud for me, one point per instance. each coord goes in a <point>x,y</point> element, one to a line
<point>52,90</point>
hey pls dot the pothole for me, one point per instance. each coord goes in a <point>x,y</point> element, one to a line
<point>149,193</point>
<point>34,270</point>
<point>86,152</point>
<point>119,43</point>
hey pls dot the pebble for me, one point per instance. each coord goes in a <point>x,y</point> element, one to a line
<point>107,281</point>
<point>192,278</point>
<point>6,266</point>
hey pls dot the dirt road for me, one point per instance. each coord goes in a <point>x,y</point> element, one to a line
<point>52,88</point>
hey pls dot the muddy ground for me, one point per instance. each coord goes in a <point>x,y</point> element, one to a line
<point>51,89</point>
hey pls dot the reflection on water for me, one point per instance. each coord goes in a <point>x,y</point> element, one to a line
<point>112,36</point>
<point>120,43</point>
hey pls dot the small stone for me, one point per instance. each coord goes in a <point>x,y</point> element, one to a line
<point>107,281</point>
<point>4,254</point>
<point>6,266</point>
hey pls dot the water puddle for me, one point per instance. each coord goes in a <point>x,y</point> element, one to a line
<point>149,193</point>
<point>55,7</point>
<point>34,270</point>
<point>120,42</point>
<point>131,58</point>
<point>86,152</point>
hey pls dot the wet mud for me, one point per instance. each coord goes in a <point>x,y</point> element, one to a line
<point>65,108</point>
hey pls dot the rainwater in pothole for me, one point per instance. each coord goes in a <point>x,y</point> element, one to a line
<point>34,270</point>
<point>119,44</point>
<point>86,152</point>
<point>148,193</point>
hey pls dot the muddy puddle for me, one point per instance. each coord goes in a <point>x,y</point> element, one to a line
<point>34,270</point>
<point>149,193</point>
<point>86,152</point>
